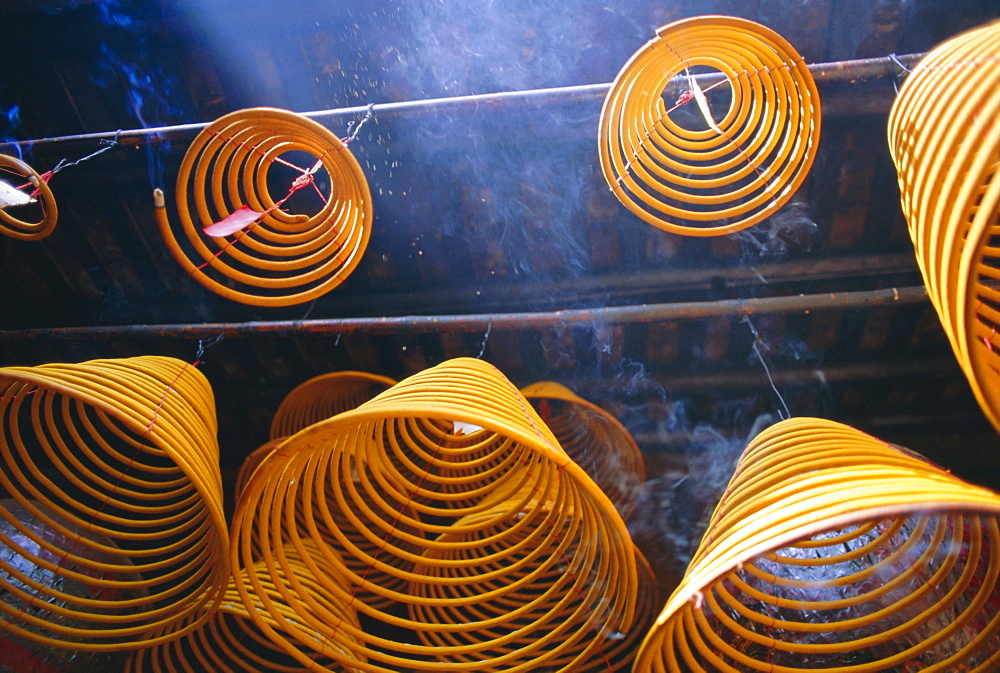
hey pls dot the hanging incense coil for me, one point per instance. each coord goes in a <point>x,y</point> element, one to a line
<point>229,642</point>
<point>119,460</point>
<point>833,550</point>
<point>945,142</point>
<point>739,160</point>
<point>234,236</point>
<point>594,439</point>
<point>378,473</point>
<point>40,202</point>
<point>315,400</point>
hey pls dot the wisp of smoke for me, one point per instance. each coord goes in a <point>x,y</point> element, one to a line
<point>152,95</point>
<point>674,509</point>
<point>10,123</point>
<point>791,229</point>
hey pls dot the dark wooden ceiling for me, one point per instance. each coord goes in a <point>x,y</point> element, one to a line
<point>490,213</point>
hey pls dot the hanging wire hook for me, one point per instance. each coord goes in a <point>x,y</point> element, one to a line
<point>895,59</point>
<point>757,343</point>
<point>486,338</point>
<point>204,345</point>
<point>108,144</point>
<point>369,113</point>
<point>899,75</point>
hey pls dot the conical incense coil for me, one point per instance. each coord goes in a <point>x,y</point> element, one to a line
<point>379,473</point>
<point>740,161</point>
<point>477,457</point>
<point>315,400</point>
<point>37,200</point>
<point>119,459</point>
<point>229,642</point>
<point>945,142</point>
<point>234,236</point>
<point>832,550</point>
<point>593,438</point>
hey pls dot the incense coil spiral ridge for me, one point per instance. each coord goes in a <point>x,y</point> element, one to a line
<point>495,522</point>
<point>229,642</point>
<point>315,400</point>
<point>834,550</point>
<point>945,141</point>
<point>251,463</point>
<point>26,230</point>
<point>324,396</point>
<point>239,171</point>
<point>727,170</point>
<point>117,466</point>
<point>448,602</point>
<point>594,439</point>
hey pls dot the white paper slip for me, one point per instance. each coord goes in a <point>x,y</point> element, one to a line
<point>12,196</point>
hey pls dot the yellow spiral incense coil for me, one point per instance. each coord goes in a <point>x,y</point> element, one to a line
<point>432,525</point>
<point>594,439</point>
<point>324,533</point>
<point>945,141</point>
<point>742,160</point>
<point>119,458</point>
<point>44,203</point>
<point>833,550</point>
<point>315,400</point>
<point>278,259</point>
<point>230,643</point>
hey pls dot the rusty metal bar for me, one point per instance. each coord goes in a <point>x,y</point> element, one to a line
<point>852,72</point>
<point>436,324</point>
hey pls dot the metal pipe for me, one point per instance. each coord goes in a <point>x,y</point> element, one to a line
<point>883,370</point>
<point>842,72</point>
<point>643,313</point>
<point>645,282</point>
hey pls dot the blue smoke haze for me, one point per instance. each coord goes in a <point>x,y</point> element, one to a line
<point>130,66</point>
<point>512,184</point>
<point>10,127</point>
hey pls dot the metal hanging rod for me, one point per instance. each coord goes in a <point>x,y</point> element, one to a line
<point>441,324</point>
<point>851,72</point>
<point>630,287</point>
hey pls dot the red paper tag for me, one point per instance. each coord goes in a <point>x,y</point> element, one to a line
<point>238,220</point>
